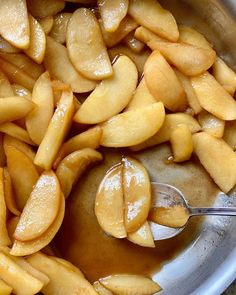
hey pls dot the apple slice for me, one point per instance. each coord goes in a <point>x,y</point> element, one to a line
<point>5,86</point>
<point>141,98</point>
<point>4,238</point>
<point>2,153</point>
<point>68,265</point>
<point>124,284</point>
<point>142,237</point>
<point>126,26</point>
<point>5,289</point>
<point>56,131</point>
<point>157,19</point>
<point>42,96</point>
<point>26,248</point>
<point>20,280</point>
<point>163,135</point>
<point>11,226</point>
<point>60,22</point>
<point>6,47</point>
<point>45,8</point>
<point>111,96</point>
<point>112,12</point>
<point>23,174</point>
<point>133,43</point>
<point>14,24</point>
<point>41,208</point>
<point>133,127</point>
<point>13,108</point>
<point>56,58</point>
<point>163,83</point>
<point>37,46</point>
<point>230,134</point>
<point>211,124</point>
<point>100,289</point>
<point>109,203</point>
<point>87,139</point>
<point>213,97</point>
<point>62,279</point>
<point>46,23</point>
<point>217,158</point>
<point>86,47</point>
<point>71,167</point>
<point>14,130</point>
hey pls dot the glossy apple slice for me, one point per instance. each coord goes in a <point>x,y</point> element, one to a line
<point>5,289</point>
<point>44,8</point>
<point>60,22</point>
<point>142,237</point>
<point>46,23</point>
<point>5,86</point>
<point>100,289</point>
<point>211,124</point>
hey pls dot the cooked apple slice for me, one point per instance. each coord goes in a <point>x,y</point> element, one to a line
<point>87,139</point>
<point>13,108</point>
<point>44,8</point>
<point>72,167</point>
<point>14,24</point>
<point>41,115</point>
<point>5,86</point>
<point>20,280</point>
<point>56,58</point>
<point>190,93</point>
<point>142,237</point>
<point>100,289</point>
<point>109,203</point>
<point>4,238</point>
<point>133,127</point>
<point>211,124</point>
<point>68,265</point>
<point>213,97</point>
<point>112,12</point>
<point>142,97</point>
<point>181,143</point>
<point>133,43</point>
<point>230,134</point>
<point>58,32</point>
<point>157,19</point>
<point>46,23</point>
<point>111,96</point>
<point>163,83</point>
<point>124,284</point>
<point>11,226</point>
<point>16,75</point>
<point>137,194</point>
<point>6,47</point>
<point>2,152</point>
<point>37,46</point>
<point>5,289</point>
<point>26,248</point>
<point>62,279</point>
<point>126,26</point>
<point>23,174</point>
<point>217,158</point>
<point>56,131</point>
<point>176,216</point>
<point>163,135</point>
<point>41,208</point>
<point>86,47</point>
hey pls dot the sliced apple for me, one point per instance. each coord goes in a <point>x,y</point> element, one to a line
<point>87,139</point>
<point>56,131</point>
<point>163,135</point>
<point>41,208</point>
<point>68,265</point>
<point>124,284</point>
<point>4,238</point>
<point>23,174</point>
<point>133,43</point>
<point>14,24</point>
<point>15,131</point>
<point>2,153</point>
<point>11,226</point>
<point>230,134</point>
<point>6,47</point>
<point>5,86</point>
<point>141,98</point>
<point>111,96</point>
<point>5,289</point>
<point>86,47</point>
<point>157,19</point>
<point>42,96</point>
<point>46,23</point>
<point>126,26</point>
<point>142,237</point>
<point>181,143</point>
<point>163,83</point>
<point>56,58</point>
<point>100,289</point>
<point>60,22</point>
<point>37,46</point>
<point>26,248</point>
<point>217,158</point>
<point>20,280</point>
<point>133,127</point>
<point>45,8</point>
<point>13,108</point>
<point>72,167</point>
<point>21,91</point>
<point>62,279</point>
<point>109,203</point>
<point>213,97</point>
<point>211,124</point>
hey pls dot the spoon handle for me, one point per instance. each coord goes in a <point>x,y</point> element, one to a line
<point>230,211</point>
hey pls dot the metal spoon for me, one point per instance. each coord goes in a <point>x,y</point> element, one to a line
<point>165,195</point>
